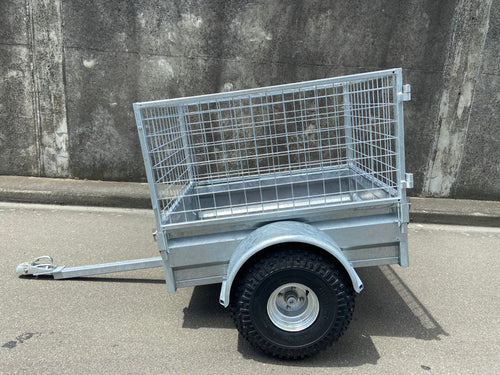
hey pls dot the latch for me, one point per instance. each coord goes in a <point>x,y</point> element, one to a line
<point>407,183</point>
<point>403,213</point>
<point>405,96</point>
<point>409,180</point>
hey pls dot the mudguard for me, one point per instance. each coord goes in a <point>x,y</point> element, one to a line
<point>278,233</point>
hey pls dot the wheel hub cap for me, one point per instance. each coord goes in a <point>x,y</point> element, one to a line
<point>293,307</point>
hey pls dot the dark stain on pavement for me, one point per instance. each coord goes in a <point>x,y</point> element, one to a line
<point>20,339</point>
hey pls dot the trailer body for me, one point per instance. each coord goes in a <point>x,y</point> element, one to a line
<point>327,153</point>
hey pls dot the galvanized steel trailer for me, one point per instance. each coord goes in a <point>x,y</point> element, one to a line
<point>277,193</point>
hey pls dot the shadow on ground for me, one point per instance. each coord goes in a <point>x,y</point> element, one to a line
<point>386,307</point>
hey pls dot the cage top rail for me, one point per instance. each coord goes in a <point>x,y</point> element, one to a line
<point>271,90</point>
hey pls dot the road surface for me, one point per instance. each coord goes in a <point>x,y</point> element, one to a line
<point>439,316</point>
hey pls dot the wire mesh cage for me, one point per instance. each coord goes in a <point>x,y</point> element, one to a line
<point>295,146</point>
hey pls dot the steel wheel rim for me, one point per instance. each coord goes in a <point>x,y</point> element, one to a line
<point>293,307</point>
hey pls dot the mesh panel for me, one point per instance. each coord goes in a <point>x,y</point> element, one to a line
<point>266,150</point>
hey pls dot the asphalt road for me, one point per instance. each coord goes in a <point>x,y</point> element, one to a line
<point>439,316</point>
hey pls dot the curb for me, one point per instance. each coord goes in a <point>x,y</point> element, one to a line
<point>136,195</point>
<point>74,192</point>
<point>455,212</point>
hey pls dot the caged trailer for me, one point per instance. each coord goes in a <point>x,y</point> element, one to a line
<point>278,194</point>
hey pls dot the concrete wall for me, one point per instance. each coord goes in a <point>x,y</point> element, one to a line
<point>71,70</point>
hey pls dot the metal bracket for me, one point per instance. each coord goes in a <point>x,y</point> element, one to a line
<point>404,204</point>
<point>403,213</point>
<point>405,96</point>
<point>409,180</point>
<point>407,183</point>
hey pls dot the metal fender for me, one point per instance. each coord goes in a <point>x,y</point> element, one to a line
<point>278,233</point>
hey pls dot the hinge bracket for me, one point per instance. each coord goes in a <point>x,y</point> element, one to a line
<point>405,95</point>
<point>409,180</point>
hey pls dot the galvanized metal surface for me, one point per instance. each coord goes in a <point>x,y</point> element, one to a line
<point>283,232</point>
<point>311,144</point>
<point>103,268</point>
<point>293,307</point>
<point>328,152</point>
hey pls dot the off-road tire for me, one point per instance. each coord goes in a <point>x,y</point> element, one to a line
<point>331,290</point>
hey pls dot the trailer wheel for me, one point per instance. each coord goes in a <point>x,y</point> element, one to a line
<point>292,304</point>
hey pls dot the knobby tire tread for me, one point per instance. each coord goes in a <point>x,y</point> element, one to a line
<point>269,264</point>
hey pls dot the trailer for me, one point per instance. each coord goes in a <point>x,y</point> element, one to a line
<point>278,194</point>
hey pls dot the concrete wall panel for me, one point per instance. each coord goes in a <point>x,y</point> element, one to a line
<point>18,151</point>
<point>479,175</point>
<point>100,88</point>
<point>14,21</point>
<point>18,138</point>
<point>72,69</point>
